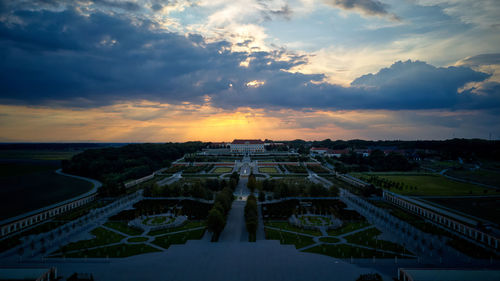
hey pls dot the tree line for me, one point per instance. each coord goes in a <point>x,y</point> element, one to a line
<point>217,216</point>
<point>115,165</point>
<point>251,217</point>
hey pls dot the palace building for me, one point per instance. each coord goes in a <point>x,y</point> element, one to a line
<point>247,146</point>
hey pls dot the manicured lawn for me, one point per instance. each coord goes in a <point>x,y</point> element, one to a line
<point>268,170</point>
<point>347,251</point>
<point>298,240</point>
<point>428,184</point>
<point>368,238</point>
<point>348,227</point>
<point>188,225</point>
<point>45,155</point>
<point>102,237</point>
<point>440,165</point>
<point>329,239</point>
<point>222,170</point>
<point>137,239</point>
<point>123,227</point>
<point>165,241</point>
<point>480,175</point>
<point>115,251</point>
<point>286,226</point>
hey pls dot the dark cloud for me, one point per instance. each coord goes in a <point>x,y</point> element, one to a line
<point>483,59</point>
<point>125,5</point>
<point>14,5</point>
<point>102,58</point>
<point>404,85</point>
<point>366,7</point>
<point>65,58</point>
<point>269,13</point>
<point>285,11</point>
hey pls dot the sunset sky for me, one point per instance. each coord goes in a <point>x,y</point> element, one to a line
<point>215,70</point>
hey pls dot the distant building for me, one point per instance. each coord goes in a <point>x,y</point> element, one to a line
<point>315,151</point>
<point>338,152</point>
<point>318,151</point>
<point>247,146</point>
<point>363,152</point>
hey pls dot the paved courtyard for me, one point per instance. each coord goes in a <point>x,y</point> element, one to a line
<point>202,260</point>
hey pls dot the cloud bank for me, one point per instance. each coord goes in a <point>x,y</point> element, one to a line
<point>69,59</point>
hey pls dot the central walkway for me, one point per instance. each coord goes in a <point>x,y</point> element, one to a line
<point>235,230</point>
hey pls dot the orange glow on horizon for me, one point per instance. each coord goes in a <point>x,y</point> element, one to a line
<point>155,122</point>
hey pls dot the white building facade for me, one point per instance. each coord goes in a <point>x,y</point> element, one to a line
<point>247,146</point>
<point>453,222</point>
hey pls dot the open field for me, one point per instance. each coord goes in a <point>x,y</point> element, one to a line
<point>38,154</point>
<point>36,185</point>
<point>432,184</point>
<point>485,208</point>
<point>482,176</point>
<point>268,170</point>
<point>222,170</point>
<point>440,165</point>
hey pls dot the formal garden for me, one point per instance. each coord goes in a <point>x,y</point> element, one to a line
<point>158,224</point>
<point>327,227</point>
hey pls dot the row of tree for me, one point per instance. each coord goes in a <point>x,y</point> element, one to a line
<point>217,216</point>
<point>388,184</point>
<point>251,217</point>
<point>378,161</point>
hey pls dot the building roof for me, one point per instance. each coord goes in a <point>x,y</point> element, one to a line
<point>247,141</point>
<point>319,148</point>
<point>339,151</point>
<point>422,274</point>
